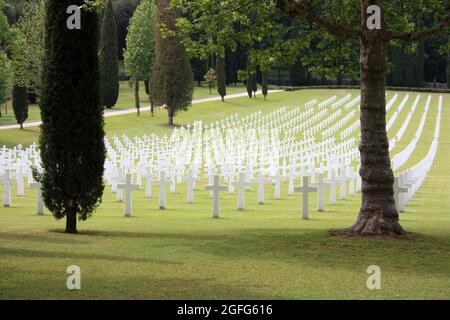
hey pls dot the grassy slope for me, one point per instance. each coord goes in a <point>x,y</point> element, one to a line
<point>264,252</point>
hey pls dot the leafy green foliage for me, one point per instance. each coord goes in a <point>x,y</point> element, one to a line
<point>4,75</point>
<point>211,78</point>
<point>274,40</point>
<point>31,41</point>
<point>4,62</point>
<point>109,64</point>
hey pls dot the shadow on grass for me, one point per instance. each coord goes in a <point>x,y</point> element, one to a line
<point>40,238</point>
<point>305,247</point>
<point>26,253</point>
<point>315,248</point>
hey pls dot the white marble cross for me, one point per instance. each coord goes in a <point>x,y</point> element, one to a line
<point>292,176</point>
<point>241,183</point>
<point>277,180</point>
<point>6,181</point>
<point>351,177</point>
<point>190,179</point>
<point>305,189</point>
<point>162,189</point>
<point>321,185</point>
<point>40,203</point>
<point>19,178</point>
<point>343,183</point>
<point>405,182</point>
<point>148,182</point>
<point>118,179</point>
<point>332,181</point>
<point>397,191</point>
<point>172,179</point>
<point>261,180</point>
<point>128,188</point>
<point>210,176</point>
<point>216,188</point>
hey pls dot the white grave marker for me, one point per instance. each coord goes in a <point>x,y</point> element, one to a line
<point>40,203</point>
<point>128,188</point>
<point>321,185</point>
<point>305,189</point>
<point>6,181</point>
<point>216,188</point>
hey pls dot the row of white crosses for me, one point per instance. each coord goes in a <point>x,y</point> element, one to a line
<point>402,157</point>
<point>397,112</point>
<point>262,180</point>
<point>15,165</point>
<point>399,135</point>
<point>408,182</point>
<point>259,148</point>
<point>128,140</point>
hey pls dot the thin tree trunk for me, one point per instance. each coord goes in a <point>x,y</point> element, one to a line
<point>378,214</point>
<point>448,66</point>
<point>136,95</point>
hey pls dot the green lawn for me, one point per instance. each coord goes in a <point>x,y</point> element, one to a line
<point>266,251</point>
<point>125,101</point>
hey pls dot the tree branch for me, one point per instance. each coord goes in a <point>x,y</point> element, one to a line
<point>420,35</point>
<point>301,9</point>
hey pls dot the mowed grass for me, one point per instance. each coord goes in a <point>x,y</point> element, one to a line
<point>264,252</point>
<point>125,101</point>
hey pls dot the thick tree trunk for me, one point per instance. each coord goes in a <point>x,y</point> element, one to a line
<point>71,222</point>
<point>170,120</point>
<point>378,214</point>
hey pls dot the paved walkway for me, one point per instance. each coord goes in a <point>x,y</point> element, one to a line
<point>133,110</point>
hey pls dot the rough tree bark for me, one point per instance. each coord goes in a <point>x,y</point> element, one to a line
<point>378,213</point>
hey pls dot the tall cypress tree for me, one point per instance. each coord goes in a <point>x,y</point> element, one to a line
<point>172,81</point>
<point>221,77</point>
<point>109,64</point>
<point>71,142</point>
<point>20,104</point>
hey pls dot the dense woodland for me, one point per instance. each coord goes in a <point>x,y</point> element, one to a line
<point>410,65</point>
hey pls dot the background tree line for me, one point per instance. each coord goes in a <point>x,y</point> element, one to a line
<point>410,65</point>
